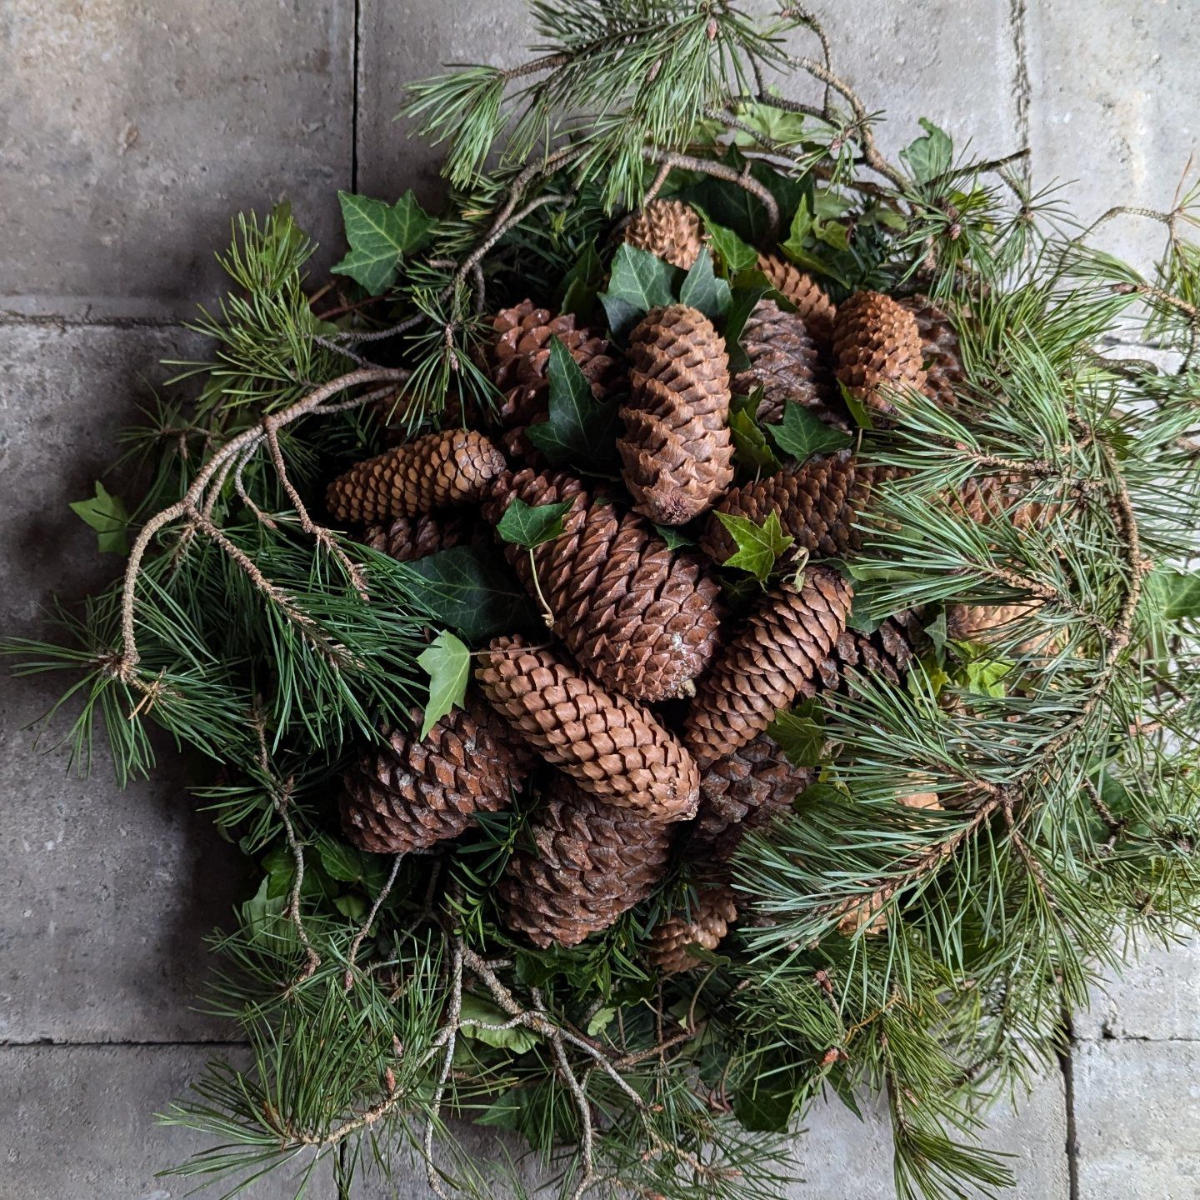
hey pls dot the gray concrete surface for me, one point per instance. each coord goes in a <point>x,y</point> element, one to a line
<point>130,130</point>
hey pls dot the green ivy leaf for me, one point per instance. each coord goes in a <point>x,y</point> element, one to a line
<point>981,673</point>
<point>581,284</point>
<point>447,662</point>
<point>600,1021</point>
<point>750,444</point>
<point>758,546</point>
<point>733,254</point>
<point>801,228</point>
<point>639,282</point>
<point>351,905</point>
<point>518,1039</point>
<point>580,429</point>
<point>748,289</point>
<point>1179,593</point>
<point>472,590</point>
<point>108,516</point>
<point>674,539</point>
<point>340,861</point>
<point>863,618</point>
<point>802,433</point>
<point>858,410</point>
<point>263,911</point>
<point>931,155</point>
<point>800,734</point>
<point>530,525</point>
<point>704,291</point>
<point>380,235</point>
<point>938,633</point>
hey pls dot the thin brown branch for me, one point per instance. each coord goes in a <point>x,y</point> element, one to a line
<point>360,936</point>
<point>687,162</point>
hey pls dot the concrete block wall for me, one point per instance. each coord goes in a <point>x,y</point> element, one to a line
<point>130,131</point>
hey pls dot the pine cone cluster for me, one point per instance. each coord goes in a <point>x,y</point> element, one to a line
<point>634,731</point>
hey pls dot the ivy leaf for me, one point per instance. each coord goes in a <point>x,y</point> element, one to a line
<point>858,410</point>
<point>758,546</point>
<point>863,618</point>
<point>674,539</point>
<point>749,442</point>
<point>472,590</point>
<point>580,429</point>
<point>581,284</point>
<point>733,254</point>
<point>931,155</point>
<point>704,291</point>
<point>938,633</point>
<point>108,516</point>
<point>351,905</point>
<point>380,235</point>
<point>1179,592</point>
<point>748,289</point>
<point>261,913</point>
<point>600,1021</point>
<point>530,525</point>
<point>802,433</point>
<point>982,673</point>
<point>341,862</point>
<point>518,1039</point>
<point>802,223</point>
<point>639,282</point>
<point>447,662</point>
<point>799,734</point>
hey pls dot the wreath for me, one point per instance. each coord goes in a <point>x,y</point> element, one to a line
<point>699,623</point>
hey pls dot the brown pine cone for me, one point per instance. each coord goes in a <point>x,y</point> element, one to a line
<point>877,346</point>
<point>408,538</point>
<point>818,502</point>
<point>766,666</point>
<point>714,910</point>
<point>415,793</point>
<point>986,498</point>
<point>642,619</point>
<point>610,747</point>
<point>743,790</point>
<point>786,364</point>
<point>589,863</point>
<point>886,654</point>
<point>668,229</point>
<point>676,446</point>
<point>520,358</point>
<point>939,350</point>
<point>456,466</point>
<point>813,306</point>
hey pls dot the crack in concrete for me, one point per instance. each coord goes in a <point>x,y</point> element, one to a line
<point>1022,89</point>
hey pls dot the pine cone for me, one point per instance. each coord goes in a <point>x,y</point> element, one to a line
<point>408,538</point>
<point>939,350</point>
<point>813,306</point>
<point>415,793</point>
<point>455,466</point>
<point>767,665</point>
<point>520,358</point>
<point>714,910</point>
<point>642,619</point>
<point>987,498</point>
<point>743,790</point>
<point>589,863</point>
<point>669,229</point>
<point>610,747</point>
<point>877,346</point>
<point>676,446</point>
<point>785,363</point>
<point>887,654</point>
<point>818,503</point>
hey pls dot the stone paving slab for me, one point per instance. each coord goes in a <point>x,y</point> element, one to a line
<point>78,1124</point>
<point>1113,106</point>
<point>131,130</point>
<point>105,894</point>
<point>1137,1120</point>
<point>951,62</point>
<point>1156,996</point>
